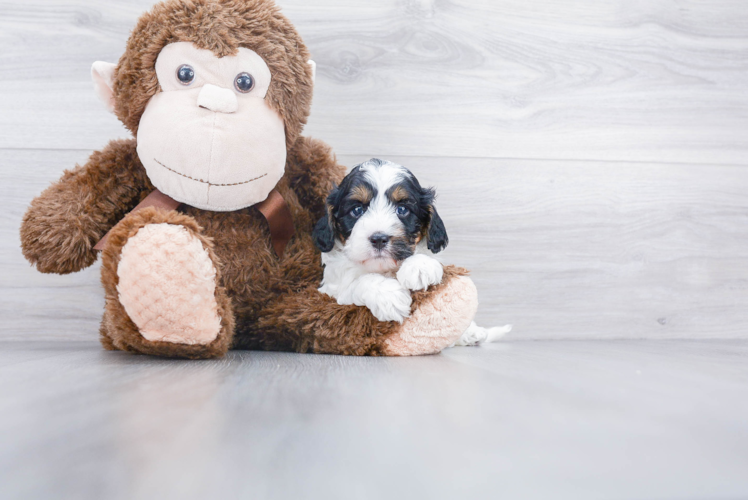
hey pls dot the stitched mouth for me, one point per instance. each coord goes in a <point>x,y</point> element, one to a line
<point>206,182</point>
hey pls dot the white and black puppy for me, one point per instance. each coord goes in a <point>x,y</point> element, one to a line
<point>378,242</point>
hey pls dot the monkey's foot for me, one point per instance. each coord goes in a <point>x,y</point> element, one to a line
<point>162,283</point>
<point>167,285</point>
<point>438,321</point>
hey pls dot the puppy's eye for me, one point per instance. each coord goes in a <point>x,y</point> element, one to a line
<point>185,74</point>
<point>402,210</point>
<point>244,82</point>
<point>357,211</point>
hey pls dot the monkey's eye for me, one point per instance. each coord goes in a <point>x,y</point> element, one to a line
<point>402,210</point>
<point>244,82</point>
<point>186,74</point>
<point>357,211</point>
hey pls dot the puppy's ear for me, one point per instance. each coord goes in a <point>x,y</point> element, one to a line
<point>324,234</point>
<point>324,231</point>
<point>436,234</point>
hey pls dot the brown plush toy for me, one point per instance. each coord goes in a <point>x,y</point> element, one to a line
<point>219,254</point>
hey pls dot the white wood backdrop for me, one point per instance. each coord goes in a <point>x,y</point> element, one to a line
<point>591,156</point>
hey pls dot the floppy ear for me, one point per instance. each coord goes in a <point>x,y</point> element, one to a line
<point>324,234</point>
<point>436,235</point>
<point>103,78</point>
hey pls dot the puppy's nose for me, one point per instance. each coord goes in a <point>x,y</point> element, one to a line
<point>217,99</point>
<point>379,240</point>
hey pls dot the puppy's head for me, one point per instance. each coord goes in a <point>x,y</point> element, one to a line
<point>378,215</point>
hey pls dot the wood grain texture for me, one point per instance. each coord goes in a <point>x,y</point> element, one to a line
<point>574,248</point>
<point>563,420</point>
<point>614,80</point>
<point>567,250</point>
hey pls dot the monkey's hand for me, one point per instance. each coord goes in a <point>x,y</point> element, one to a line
<point>314,172</point>
<point>419,272</point>
<point>65,222</point>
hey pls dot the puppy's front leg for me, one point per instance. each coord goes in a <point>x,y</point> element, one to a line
<point>385,297</point>
<point>420,271</point>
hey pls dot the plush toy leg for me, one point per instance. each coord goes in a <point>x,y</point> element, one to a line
<point>308,320</point>
<point>438,321</point>
<point>162,294</point>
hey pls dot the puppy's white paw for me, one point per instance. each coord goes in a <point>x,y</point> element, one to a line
<point>385,297</point>
<point>419,272</point>
<point>395,306</point>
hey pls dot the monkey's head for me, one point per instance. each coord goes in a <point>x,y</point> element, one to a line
<point>216,92</point>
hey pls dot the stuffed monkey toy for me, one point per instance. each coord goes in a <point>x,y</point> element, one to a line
<point>208,210</point>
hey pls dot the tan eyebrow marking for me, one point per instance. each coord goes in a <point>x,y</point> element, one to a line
<point>362,193</point>
<point>399,194</point>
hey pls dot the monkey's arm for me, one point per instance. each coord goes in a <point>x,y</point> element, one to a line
<point>305,320</point>
<point>313,171</point>
<point>63,224</point>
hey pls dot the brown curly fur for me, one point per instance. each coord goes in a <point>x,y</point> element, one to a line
<point>62,225</point>
<point>265,302</point>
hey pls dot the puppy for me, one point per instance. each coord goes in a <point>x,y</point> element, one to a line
<point>378,242</point>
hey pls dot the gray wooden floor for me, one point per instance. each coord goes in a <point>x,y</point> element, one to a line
<point>546,419</point>
<point>591,160</point>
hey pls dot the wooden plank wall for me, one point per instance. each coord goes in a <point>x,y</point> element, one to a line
<point>590,155</point>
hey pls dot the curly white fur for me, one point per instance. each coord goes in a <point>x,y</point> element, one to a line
<point>386,294</point>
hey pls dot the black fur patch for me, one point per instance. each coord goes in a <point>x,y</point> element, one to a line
<point>423,214</point>
<point>436,236</point>
<point>339,222</point>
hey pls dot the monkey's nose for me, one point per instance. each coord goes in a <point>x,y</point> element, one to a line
<point>217,99</point>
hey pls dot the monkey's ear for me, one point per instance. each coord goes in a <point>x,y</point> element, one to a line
<point>436,236</point>
<point>103,79</point>
<point>314,69</point>
<point>324,234</point>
